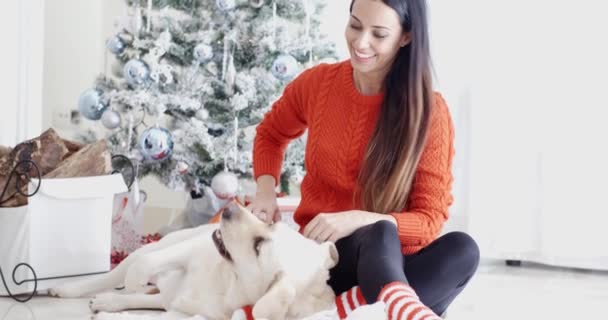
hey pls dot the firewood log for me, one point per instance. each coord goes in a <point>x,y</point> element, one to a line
<point>92,160</point>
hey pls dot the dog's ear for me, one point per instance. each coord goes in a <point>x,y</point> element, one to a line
<point>332,254</point>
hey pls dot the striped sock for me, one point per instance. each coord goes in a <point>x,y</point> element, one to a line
<point>348,301</point>
<point>244,313</point>
<point>402,303</point>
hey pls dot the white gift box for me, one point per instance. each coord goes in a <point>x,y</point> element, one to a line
<point>63,232</point>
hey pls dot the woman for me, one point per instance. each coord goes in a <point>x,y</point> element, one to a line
<point>378,161</point>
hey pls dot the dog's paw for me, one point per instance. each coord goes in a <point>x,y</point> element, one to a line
<point>67,291</point>
<point>108,302</point>
<point>137,277</point>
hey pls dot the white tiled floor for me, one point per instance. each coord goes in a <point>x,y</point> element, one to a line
<point>497,292</point>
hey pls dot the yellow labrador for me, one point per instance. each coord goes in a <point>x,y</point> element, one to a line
<point>212,270</point>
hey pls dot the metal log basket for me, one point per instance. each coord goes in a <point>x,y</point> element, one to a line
<point>24,173</point>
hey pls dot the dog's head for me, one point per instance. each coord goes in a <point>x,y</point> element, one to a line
<point>263,255</point>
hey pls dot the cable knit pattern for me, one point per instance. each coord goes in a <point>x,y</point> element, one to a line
<point>340,122</point>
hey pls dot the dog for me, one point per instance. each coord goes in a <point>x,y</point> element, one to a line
<point>212,270</point>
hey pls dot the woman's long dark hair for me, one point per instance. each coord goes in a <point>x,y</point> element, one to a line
<point>389,165</point>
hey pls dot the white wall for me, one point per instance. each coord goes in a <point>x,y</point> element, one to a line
<point>334,23</point>
<point>21,31</point>
<point>75,33</point>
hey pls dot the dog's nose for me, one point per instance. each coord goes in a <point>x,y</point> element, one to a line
<point>226,214</point>
<point>230,210</point>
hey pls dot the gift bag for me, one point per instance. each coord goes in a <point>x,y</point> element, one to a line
<point>127,223</point>
<point>63,232</point>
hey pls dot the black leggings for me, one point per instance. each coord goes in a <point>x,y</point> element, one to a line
<point>371,258</point>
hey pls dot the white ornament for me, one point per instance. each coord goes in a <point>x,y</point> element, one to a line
<point>285,67</point>
<point>202,114</point>
<point>182,167</point>
<point>225,185</point>
<point>111,119</point>
<point>225,5</point>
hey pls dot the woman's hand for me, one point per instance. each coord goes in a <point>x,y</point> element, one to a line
<point>335,226</point>
<point>265,205</point>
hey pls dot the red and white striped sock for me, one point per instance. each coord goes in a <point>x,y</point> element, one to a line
<point>348,301</point>
<point>244,313</point>
<point>402,303</point>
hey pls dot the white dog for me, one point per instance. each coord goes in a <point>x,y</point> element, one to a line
<point>212,270</point>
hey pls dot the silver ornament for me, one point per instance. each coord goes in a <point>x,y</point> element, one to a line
<point>156,144</point>
<point>256,3</point>
<point>136,72</point>
<point>285,67</point>
<point>225,5</point>
<point>116,45</point>
<point>202,52</point>
<point>111,119</point>
<point>91,104</point>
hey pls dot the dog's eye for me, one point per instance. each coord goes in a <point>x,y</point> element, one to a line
<point>257,244</point>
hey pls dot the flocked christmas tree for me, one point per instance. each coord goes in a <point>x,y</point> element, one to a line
<point>194,78</point>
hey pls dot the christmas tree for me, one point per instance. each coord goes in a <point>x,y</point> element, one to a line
<point>195,77</point>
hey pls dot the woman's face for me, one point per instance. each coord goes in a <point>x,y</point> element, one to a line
<point>374,36</point>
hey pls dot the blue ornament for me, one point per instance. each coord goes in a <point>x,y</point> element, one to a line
<point>285,67</point>
<point>91,104</point>
<point>202,52</point>
<point>156,144</point>
<point>116,45</point>
<point>136,72</point>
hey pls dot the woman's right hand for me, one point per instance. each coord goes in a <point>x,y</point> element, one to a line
<point>265,205</point>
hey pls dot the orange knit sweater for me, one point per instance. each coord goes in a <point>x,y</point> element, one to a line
<point>340,122</point>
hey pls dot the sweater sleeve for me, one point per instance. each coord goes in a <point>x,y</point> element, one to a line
<point>430,196</point>
<point>287,120</point>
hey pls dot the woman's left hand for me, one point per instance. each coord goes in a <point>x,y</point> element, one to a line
<point>335,226</point>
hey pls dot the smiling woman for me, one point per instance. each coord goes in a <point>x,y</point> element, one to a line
<point>378,158</point>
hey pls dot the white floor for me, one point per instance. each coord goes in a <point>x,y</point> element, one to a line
<point>497,292</point>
